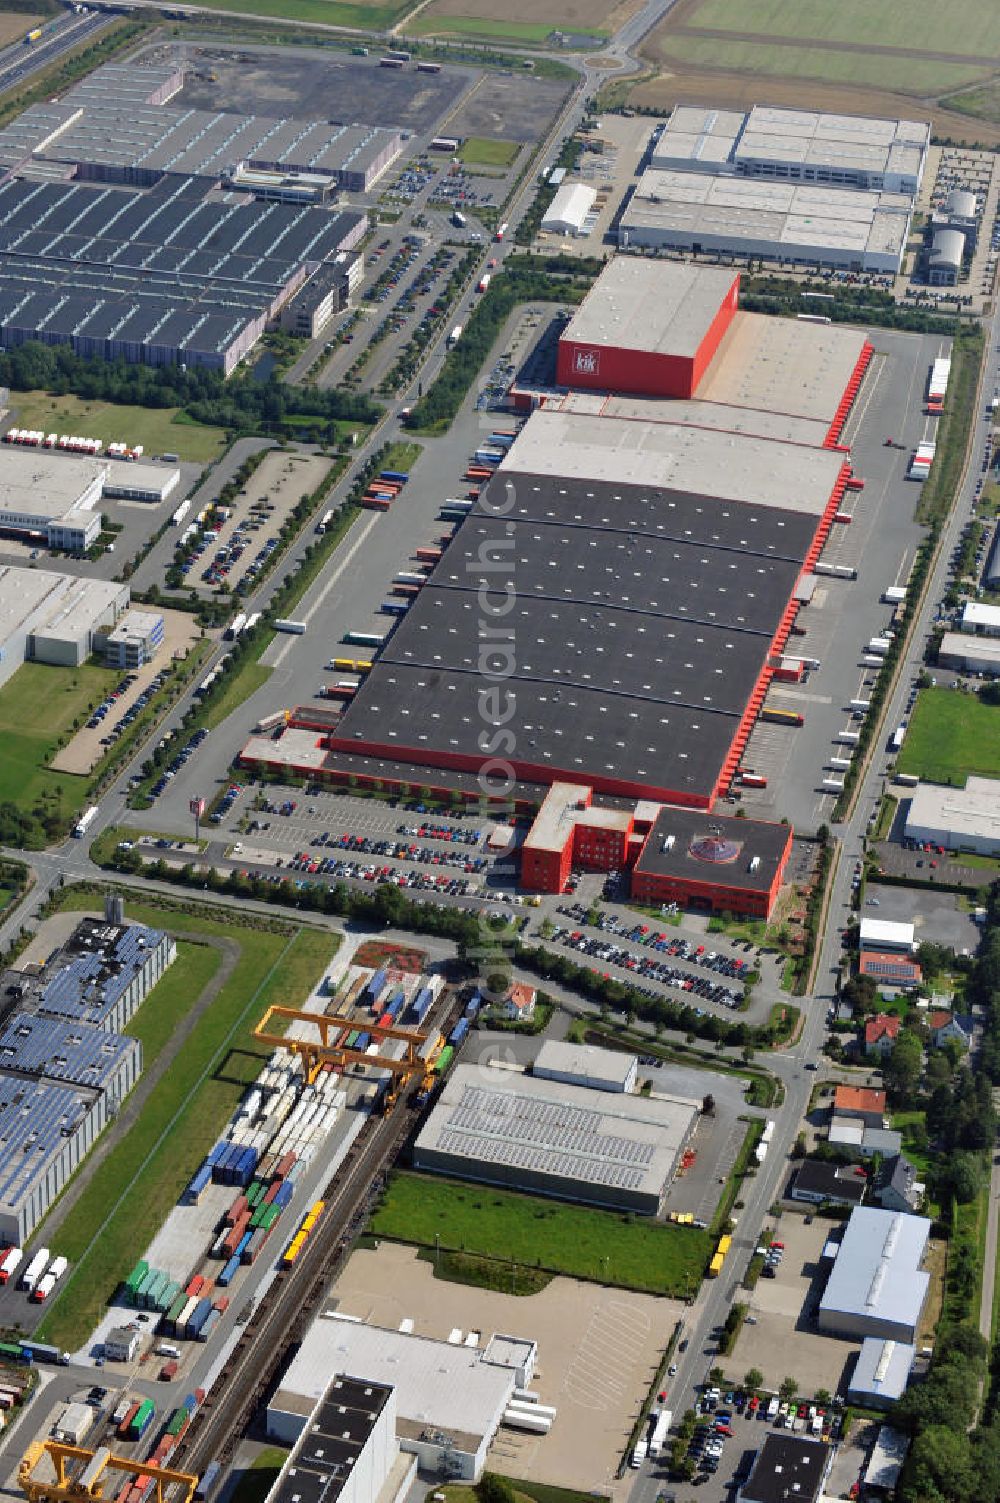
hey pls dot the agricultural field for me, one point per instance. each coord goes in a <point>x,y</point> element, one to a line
<point>852,58</point>
<point>950,736</point>
<point>522,20</point>
<point>15,26</point>
<point>38,705</point>
<point>139,1175</point>
<point>162,430</point>
<point>480,151</point>
<point>632,1252</point>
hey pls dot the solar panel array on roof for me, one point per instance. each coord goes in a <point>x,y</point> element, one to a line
<point>78,1053</point>
<point>545,1135</point>
<point>153,276</point>
<point>90,983</point>
<point>35,1118</point>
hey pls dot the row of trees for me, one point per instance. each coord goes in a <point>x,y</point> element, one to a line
<point>240,405</point>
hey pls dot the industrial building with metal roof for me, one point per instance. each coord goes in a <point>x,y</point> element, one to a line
<point>960,819</point>
<point>877,1286</point>
<point>558,1139</point>
<point>881,1372</point>
<point>712,862</point>
<point>65,1064</point>
<point>159,276</point>
<point>586,1065</point>
<point>568,211</point>
<point>47,617</point>
<point>449,1399</point>
<point>803,223</point>
<point>115,127</point>
<point>854,151</point>
<point>51,497</point>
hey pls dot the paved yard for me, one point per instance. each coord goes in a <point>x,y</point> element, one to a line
<point>938,917</point>
<point>784,1341</point>
<point>598,1351</point>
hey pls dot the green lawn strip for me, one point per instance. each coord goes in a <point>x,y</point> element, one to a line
<point>239,687</point>
<point>606,1246</point>
<point>356,17</point>
<point>160,430</point>
<point>911,1126</point>
<point>177,991</point>
<point>104,847</point>
<point>486,1273</point>
<point>6,896</point>
<point>135,1187</point>
<point>950,736</point>
<point>38,705</point>
<point>482,26</point>
<point>482,151</point>
<point>256,1482</point>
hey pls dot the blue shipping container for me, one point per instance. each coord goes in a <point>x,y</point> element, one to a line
<point>284,1196</point>
<point>243,1244</point>
<point>228,1273</point>
<point>473,1005</point>
<point>394,607</point>
<point>394,1006</point>
<point>191,1403</point>
<point>400,476</point>
<point>421,1004</point>
<point>216,1153</point>
<point>197,1319</point>
<point>376,986</point>
<point>209,1326</point>
<point>364,1039</point>
<point>457,1034</point>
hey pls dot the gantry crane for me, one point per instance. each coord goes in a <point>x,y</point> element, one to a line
<point>330,1051</point>
<point>73,1484</point>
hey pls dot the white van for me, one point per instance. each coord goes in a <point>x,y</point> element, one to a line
<point>167,1349</point>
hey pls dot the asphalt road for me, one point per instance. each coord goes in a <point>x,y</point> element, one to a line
<point>19,61</point>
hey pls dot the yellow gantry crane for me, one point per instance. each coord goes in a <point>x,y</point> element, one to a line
<point>74,1483</point>
<point>330,1051</point>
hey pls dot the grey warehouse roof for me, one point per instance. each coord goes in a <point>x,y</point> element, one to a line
<point>566,1132</point>
<point>883,1369</point>
<point>645,305</point>
<point>585,1061</point>
<point>689,844</point>
<point>877,1273</point>
<point>149,274</point>
<point>787,1469</point>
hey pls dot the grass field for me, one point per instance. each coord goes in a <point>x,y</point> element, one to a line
<point>966,26</point>
<point>480,151</point>
<point>634,1253</point>
<point>357,15</point>
<point>136,1184</point>
<point>251,677</point>
<point>950,736</point>
<point>159,430</point>
<point>522,20</point>
<point>907,74</point>
<point>37,704</point>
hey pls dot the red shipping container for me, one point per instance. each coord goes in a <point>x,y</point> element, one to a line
<point>167,1374</point>
<point>272,1192</point>
<point>285,1164</point>
<point>222,1305</point>
<point>236,1210</point>
<point>194,1286</point>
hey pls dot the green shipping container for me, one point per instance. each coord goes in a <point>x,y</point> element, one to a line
<point>144,1288</point>
<point>444,1059</point>
<point>177,1307</point>
<point>255,1193</point>
<point>177,1422</point>
<point>168,1296</point>
<point>270,1216</point>
<point>137,1275</point>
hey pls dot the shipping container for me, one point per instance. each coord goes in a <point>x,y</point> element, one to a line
<point>12,1259</point>
<point>228,1273</point>
<point>775,716</point>
<point>129,1416</point>
<point>458,1033</point>
<point>29,1278</point>
<point>141,1420</point>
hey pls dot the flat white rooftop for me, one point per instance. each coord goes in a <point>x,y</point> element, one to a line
<point>979,617</point>
<point>972,811</point>
<point>762,211</point>
<point>850,143</point>
<point>586,1061</point>
<point>23,592</point>
<point>755,422</point>
<point>296,747</point>
<point>45,484</point>
<point>882,932</point>
<point>438,1385</point>
<point>783,365</point>
<point>969,645</point>
<point>663,308</point>
<point>669,456</point>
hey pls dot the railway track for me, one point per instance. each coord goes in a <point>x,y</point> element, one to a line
<point>292,1299</point>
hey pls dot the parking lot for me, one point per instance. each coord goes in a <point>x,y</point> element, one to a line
<point>236,541</point>
<point>515,107</point>
<point>938,917</point>
<point>127,699</point>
